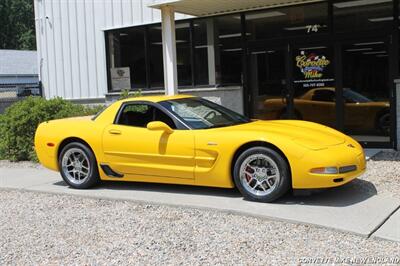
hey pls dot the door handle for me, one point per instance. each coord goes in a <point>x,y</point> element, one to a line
<point>114,132</point>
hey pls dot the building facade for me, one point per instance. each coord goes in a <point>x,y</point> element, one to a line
<point>331,62</point>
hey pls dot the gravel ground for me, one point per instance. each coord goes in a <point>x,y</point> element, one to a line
<point>383,173</point>
<point>39,228</point>
<point>23,164</point>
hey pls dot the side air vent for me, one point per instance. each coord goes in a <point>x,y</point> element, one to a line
<point>110,172</point>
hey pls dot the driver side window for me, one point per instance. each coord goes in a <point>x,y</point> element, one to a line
<point>324,96</point>
<point>139,115</point>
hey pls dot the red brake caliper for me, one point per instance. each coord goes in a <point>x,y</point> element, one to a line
<point>248,177</point>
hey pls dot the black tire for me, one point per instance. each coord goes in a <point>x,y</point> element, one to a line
<point>383,123</point>
<point>93,173</point>
<point>283,183</point>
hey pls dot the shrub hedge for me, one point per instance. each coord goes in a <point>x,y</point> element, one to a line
<point>19,122</point>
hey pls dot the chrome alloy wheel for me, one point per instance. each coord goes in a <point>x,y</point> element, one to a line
<point>75,165</point>
<point>259,174</point>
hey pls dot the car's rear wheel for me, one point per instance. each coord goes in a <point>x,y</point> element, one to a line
<point>261,174</point>
<point>383,123</point>
<point>78,166</point>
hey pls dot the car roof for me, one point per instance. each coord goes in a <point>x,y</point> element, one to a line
<point>157,98</point>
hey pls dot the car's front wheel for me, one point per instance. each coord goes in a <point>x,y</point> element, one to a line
<point>261,174</point>
<point>78,166</point>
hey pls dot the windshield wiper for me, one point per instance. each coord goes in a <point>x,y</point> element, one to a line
<point>227,125</point>
<point>221,125</point>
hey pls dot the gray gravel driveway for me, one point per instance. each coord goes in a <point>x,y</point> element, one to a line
<point>39,228</point>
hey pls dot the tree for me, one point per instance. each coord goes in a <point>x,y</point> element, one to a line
<point>17,25</point>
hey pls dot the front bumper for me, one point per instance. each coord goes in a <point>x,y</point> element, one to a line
<point>340,156</point>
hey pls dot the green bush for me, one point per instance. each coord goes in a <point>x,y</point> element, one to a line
<point>19,122</point>
<point>126,93</point>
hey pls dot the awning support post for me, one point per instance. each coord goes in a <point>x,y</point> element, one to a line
<point>169,50</point>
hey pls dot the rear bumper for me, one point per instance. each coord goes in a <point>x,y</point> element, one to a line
<point>47,155</point>
<point>339,156</point>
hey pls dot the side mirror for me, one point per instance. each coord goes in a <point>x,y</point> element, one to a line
<point>158,125</point>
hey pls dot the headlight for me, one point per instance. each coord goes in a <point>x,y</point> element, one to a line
<point>325,170</point>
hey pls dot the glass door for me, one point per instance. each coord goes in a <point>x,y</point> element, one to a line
<point>314,92</point>
<point>267,79</point>
<point>366,90</point>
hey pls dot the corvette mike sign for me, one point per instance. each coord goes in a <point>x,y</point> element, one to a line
<point>313,69</point>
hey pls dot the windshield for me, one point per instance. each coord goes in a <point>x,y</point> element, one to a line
<point>354,97</point>
<point>199,113</point>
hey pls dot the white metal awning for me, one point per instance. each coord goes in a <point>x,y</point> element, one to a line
<point>214,7</point>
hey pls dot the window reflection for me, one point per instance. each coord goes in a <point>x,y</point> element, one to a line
<point>229,62</point>
<point>203,52</point>
<point>314,82</point>
<point>366,93</point>
<point>287,21</point>
<point>127,55</point>
<point>268,78</point>
<point>156,57</point>
<point>363,15</point>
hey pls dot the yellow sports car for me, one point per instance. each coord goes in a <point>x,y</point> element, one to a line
<point>189,140</point>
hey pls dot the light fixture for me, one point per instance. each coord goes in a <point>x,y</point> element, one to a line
<point>123,34</point>
<point>367,43</point>
<point>259,52</point>
<point>264,15</point>
<point>359,3</point>
<point>358,49</point>
<point>232,50</point>
<point>313,48</point>
<point>377,52</point>
<point>296,28</point>
<point>380,19</point>
<point>263,52</point>
<point>232,35</point>
<point>177,41</point>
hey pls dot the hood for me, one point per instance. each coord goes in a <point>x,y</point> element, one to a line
<point>310,135</point>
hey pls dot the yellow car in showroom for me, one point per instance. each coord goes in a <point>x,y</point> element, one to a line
<point>192,141</point>
<point>319,105</point>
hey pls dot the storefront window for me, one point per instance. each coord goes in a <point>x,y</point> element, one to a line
<point>363,15</point>
<point>268,78</point>
<point>127,59</point>
<point>229,57</point>
<point>314,84</point>
<point>156,57</point>
<point>288,21</point>
<point>203,52</point>
<point>183,54</point>
<point>366,90</point>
